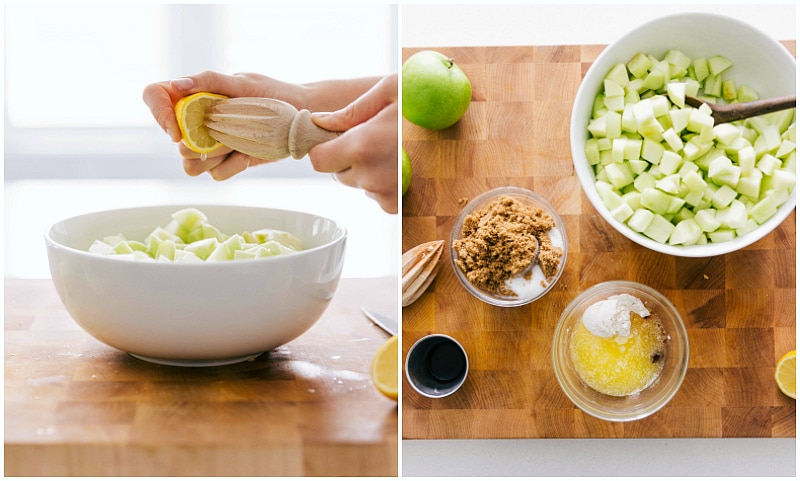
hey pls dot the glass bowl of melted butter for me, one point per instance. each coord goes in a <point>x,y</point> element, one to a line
<point>620,351</point>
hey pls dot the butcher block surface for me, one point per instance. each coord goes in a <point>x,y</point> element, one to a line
<point>74,406</point>
<point>739,308</point>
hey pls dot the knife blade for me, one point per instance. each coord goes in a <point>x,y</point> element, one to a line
<point>384,322</point>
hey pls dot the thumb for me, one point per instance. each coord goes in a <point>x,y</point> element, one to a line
<point>365,107</point>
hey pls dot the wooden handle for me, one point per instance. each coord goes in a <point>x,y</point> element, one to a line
<point>304,134</point>
<point>760,107</point>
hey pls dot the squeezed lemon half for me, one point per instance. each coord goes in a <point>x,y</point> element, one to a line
<point>786,374</point>
<point>190,112</point>
<point>384,368</point>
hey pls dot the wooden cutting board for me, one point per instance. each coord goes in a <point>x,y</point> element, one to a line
<point>739,308</point>
<point>76,407</point>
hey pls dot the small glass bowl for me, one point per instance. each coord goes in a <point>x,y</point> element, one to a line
<point>650,399</point>
<point>532,290</point>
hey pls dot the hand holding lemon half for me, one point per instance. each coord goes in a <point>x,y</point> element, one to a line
<point>190,111</point>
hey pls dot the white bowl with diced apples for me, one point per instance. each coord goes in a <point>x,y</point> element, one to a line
<point>655,168</point>
<point>196,285</point>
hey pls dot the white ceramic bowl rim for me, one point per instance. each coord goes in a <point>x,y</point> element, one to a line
<point>591,85</point>
<point>340,232</point>
<point>512,191</point>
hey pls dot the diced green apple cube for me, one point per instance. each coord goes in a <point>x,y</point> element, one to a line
<point>619,175</point>
<point>764,209</point>
<point>768,164</point>
<point>699,121</point>
<point>729,89</point>
<point>656,200</point>
<point>669,184</point>
<point>673,140</point>
<point>638,166</point>
<point>639,65</point>
<point>718,64</point>
<point>745,93</point>
<point>615,103</point>
<point>734,216</point>
<point>680,118</point>
<point>612,88</point>
<point>655,79</point>
<point>652,151</point>
<point>781,179</point>
<point>659,229</point>
<point>621,212</point>
<point>750,184</point>
<point>643,181</point>
<point>618,74</point>
<point>722,235</point>
<point>686,232</point>
<point>712,86</point>
<point>670,162</point>
<point>782,119</point>
<point>678,59</point>
<point>676,91</point>
<point>103,248</point>
<point>618,150</point>
<point>284,238</point>
<point>184,256</point>
<point>166,249</point>
<point>707,220</point>
<point>203,248</point>
<point>694,181</point>
<point>700,66</point>
<point>614,127</point>
<point>633,199</point>
<point>599,127</point>
<point>750,226</point>
<point>640,220</point>
<point>592,151</point>
<point>723,197</point>
<point>694,199</point>
<point>786,148</point>
<point>726,133</point>
<point>769,140</point>
<point>722,171</point>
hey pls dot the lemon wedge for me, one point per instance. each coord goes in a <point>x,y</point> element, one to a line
<point>191,112</point>
<point>786,374</point>
<point>384,368</point>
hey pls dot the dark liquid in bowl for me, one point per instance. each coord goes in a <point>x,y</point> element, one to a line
<point>446,361</point>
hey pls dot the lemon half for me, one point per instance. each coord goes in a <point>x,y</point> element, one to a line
<point>786,374</point>
<point>190,112</point>
<point>384,368</point>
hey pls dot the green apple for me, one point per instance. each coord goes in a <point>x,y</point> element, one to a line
<point>406,171</point>
<point>436,92</point>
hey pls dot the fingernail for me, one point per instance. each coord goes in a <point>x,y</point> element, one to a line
<point>320,115</point>
<point>183,83</point>
<point>171,135</point>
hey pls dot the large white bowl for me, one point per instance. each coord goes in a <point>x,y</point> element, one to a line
<point>758,60</point>
<point>195,314</point>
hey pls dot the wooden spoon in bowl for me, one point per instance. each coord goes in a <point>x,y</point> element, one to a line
<point>723,113</point>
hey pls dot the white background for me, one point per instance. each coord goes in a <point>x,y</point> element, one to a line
<point>477,25</point>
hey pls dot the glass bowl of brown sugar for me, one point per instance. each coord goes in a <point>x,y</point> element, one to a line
<point>508,246</point>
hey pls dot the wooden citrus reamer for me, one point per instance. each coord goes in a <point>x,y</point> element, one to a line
<point>265,128</point>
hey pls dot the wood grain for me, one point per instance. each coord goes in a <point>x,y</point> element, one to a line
<point>739,308</point>
<point>76,407</point>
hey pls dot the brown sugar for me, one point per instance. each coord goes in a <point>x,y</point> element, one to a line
<point>499,241</point>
